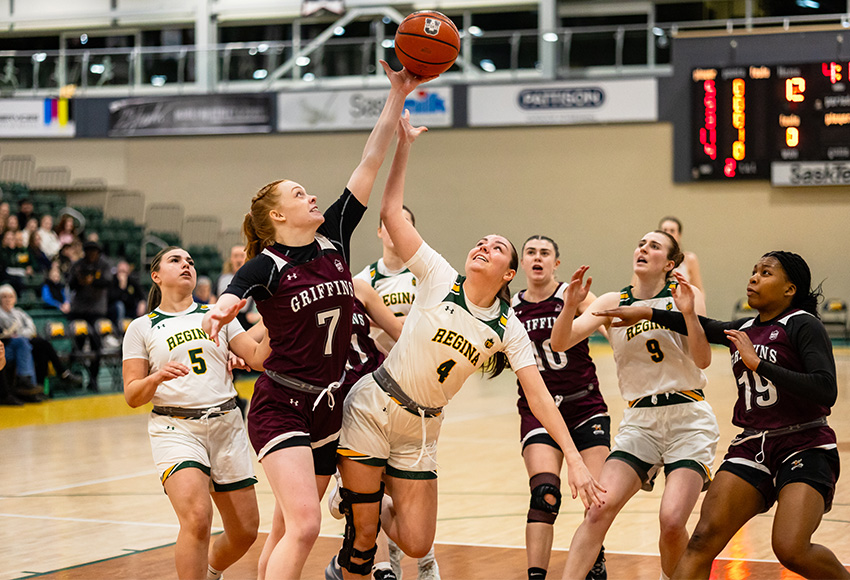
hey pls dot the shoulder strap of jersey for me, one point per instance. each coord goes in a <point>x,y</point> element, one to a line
<point>456,296</point>
<point>374,275</point>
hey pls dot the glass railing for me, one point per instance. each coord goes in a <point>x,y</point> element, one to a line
<point>340,61</point>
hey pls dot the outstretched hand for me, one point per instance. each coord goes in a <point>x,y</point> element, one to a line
<point>683,295</point>
<point>626,315</point>
<point>583,485</point>
<point>404,80</point>
<point>407,132</point>
<point>577,289</point>
<point>745,347</point>
<point>216,319</point>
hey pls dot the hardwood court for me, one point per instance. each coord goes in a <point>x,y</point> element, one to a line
<point>80,499</point>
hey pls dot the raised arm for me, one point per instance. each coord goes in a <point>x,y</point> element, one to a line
<point>569,330</point>
<point>404,236</point>
<point>690,302</point>
<point>382,316</point>
<point>402,84</point>
<point>543,407</point>
<point>225,310</point>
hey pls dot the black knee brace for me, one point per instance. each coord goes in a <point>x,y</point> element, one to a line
<point>348,551</point>
<point>542,511</point>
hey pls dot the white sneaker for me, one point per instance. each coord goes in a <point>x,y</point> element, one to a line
<point>333,571</point>
<point>428,569</point>
<point>334,497</point>
<point>395,557</point>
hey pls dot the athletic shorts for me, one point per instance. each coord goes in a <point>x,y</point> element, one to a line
<point>668,436</point>
<point>809,456</point>
<point>282,417</point>
<point>218,446</point>
<point>594,432</point>
<point>378,431</point>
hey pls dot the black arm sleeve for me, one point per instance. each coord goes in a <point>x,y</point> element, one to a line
<point>714,329</point>
<point>817,382</point>
<point>256,278</point>
<point>340,220</point>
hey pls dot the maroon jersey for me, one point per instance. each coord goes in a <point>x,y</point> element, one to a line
<point>762,404</point>
<point>363,355</point>
<point>309,316</point>
<point>565,373</point>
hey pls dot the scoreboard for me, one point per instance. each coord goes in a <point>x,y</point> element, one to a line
<point>788,122</point>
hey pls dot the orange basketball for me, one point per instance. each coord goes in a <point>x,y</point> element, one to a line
<point>427,43</point>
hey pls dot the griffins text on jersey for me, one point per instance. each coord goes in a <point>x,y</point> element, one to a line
<point>544,323</point>
<point>764,353</point>
<point>320,291</point>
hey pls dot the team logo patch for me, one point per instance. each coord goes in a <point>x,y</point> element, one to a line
<point>488,343</point>
<point>624,295</point>
<point>559,307</point>
<point>774,334</point>
<point>432,26</point>
<point>413,282</point>
<point>338,265</point>
<point>669,306</point>
<point>796,464</point>
<point>597,429</point>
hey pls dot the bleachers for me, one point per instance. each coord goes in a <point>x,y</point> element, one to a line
<point>126,228</point>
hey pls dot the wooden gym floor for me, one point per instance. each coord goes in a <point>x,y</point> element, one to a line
<point>79,497</point>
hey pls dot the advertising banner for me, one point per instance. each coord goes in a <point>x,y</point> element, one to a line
<point>810,173</point>
<point>358,110</point>
<point>36,118</point>
<point>564,103</point>
<point>193,115</point>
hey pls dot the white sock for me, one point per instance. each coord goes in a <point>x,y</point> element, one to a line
<point>663,576</point>
<point>213,574</point>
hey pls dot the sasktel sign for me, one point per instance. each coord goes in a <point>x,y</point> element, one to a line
<point>615,101</point>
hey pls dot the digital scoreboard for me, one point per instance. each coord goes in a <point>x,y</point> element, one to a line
<point>790,123</point>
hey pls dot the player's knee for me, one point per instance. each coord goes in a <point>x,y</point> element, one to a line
<point>545,498</point>
<point>358,545</point>
<point>789,551</point>
<point>672,527</point>
<point>703,540</point>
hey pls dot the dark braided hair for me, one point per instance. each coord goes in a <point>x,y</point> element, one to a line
<point>798,273</point>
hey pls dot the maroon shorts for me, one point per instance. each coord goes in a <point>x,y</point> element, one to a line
<point>279,414</point>
<point>809,456</point>
<point>575,414</point>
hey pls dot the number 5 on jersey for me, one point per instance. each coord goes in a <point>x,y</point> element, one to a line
<point>199,365</point>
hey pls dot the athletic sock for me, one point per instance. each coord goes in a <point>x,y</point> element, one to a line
<point>213,574</point>
<point>536,574</point>
<point>663,576</point>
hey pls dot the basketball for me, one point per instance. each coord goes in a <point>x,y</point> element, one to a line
<point>427,43</point>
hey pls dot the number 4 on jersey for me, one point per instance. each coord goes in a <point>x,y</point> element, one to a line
<point>444,369</point>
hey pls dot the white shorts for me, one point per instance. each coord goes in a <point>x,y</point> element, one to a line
<point>218,446</point>
<point>672,436</point>
<point>378,431</point>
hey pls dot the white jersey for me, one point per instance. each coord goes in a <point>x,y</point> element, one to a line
<point>160,337</point>
<point>446,338</point>
<point>397,288</point>
<point>650,358</point>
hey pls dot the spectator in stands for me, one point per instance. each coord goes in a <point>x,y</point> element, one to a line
<point>66,230</point>
<point>89,279</point>
<point>68,254</point>
<point>203,293</point>
<point>4,215</point>
<point>30,226</point>
<point>23,257</point>
<point>13,274</point>
<point>248,316</point>
<point>12,224</point>
<point>18,324</point>
<point>49,240</point>
<point>40,262</point>
<point>26,210</point>
<point>126,298</point>
<point>53,290</point>
<point>19,351</point>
